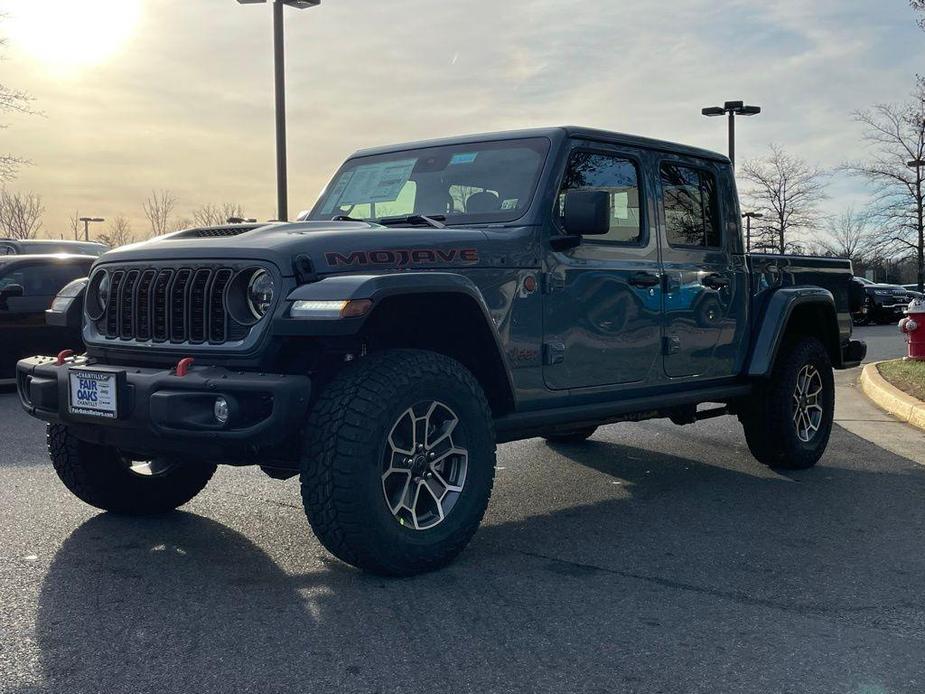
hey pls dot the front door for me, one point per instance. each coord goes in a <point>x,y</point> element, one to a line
<point>706,282</point>
<point>603,299</point>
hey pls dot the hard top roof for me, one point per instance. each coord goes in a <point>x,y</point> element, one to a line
<point>554,134</point>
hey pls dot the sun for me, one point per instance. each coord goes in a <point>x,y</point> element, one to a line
<point>66,35</point>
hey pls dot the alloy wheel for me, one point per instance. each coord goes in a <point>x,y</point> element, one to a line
<point>807,409</point>
<point>424,465</point>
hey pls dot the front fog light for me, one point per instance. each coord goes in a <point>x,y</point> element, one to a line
<point>221,410</point>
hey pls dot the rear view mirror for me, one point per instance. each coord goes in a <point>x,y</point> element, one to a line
<point>587,212</point>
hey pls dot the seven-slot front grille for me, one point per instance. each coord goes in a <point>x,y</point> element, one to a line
<point>182,304</point>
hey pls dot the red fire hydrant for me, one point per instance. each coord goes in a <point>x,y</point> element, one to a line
<point>913,327</point>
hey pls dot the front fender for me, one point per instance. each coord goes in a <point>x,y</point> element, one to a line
<point>777,313</point>
<point>376,288</point>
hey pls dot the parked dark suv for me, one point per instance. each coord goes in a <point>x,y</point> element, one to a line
<point>50,246</point>
<point>28,286</point>
<point>884,303</point>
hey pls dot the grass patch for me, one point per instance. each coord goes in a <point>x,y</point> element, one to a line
<point>907,375</point>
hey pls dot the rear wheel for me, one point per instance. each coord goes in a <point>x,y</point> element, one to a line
<point>573,436</point>
<point>105,478</point>
<point>788,421</point>
<point>398,462</point>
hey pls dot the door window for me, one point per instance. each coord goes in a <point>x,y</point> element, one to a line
<point>618,176</point>
<point>689,197</point>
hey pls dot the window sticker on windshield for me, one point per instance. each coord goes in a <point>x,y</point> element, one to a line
<point>377,182</point>
<point>336,191</point>
<point>509,204</point>
<point>463,158</point>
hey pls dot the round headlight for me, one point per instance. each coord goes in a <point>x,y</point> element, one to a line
<point>98,294</point>
<point>260,293</point>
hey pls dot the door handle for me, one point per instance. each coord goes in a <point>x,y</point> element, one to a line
<point>644,279</point>
<point>715,281</point>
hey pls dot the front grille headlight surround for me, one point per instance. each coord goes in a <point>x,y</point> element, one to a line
<point>251,295</point>
<point>98,291</point>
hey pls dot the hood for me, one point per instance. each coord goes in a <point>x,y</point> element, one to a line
<point>331,246</point>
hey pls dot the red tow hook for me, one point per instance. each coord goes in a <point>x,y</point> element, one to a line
<point>62,355</point>
<point>183,366</point>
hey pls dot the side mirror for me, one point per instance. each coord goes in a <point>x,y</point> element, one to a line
<point>587,212</point>
<point>8,292</point>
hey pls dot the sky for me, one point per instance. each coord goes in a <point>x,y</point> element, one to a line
<point>138,95</point>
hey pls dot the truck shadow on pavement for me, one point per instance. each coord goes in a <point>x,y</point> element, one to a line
<point>695,578</point>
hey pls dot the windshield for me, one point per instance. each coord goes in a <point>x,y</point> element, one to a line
<point>480,182</point>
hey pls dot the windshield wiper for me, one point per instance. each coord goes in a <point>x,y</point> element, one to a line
<point>435,221</point>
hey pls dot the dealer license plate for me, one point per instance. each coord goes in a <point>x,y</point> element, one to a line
<point>93,393</point>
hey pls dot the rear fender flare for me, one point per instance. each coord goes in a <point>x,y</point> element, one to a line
<point>776,317</point>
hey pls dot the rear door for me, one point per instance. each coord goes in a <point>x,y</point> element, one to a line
<point>602,306</point>
<point>706,281</point>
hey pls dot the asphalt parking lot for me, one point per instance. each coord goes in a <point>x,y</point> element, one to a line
<point>652,558</point>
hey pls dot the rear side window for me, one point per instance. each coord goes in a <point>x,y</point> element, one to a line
<point>616,175</point>
<point>689,198</point>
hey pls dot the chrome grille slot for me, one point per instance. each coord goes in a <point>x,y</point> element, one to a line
<point>159,297</point>
<point>143,304</point>
<point>217,314</point>
<point>112,309</point>
<point>197,305</point>
<point>177,307</point>
<point>175,304</point>
<point>127,305</point>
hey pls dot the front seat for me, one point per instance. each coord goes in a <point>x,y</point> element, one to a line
<point>486,201</point>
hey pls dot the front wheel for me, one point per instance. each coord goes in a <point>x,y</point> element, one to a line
<point>788,421</point>
<point>105,478</point>
<point>398,462</point>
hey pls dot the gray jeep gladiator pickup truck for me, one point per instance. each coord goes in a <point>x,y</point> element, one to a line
<point>441,297</point>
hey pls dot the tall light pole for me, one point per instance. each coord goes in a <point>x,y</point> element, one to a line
<point>749,216</point>
<point>733,108</point>
<point>279,72</point>
<point>917,164</point>
<point>87,221</point>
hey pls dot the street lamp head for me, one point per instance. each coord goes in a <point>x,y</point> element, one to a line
<point>916,163</point>
<point>298,4</point>
<point>749,111</point>
<point>753,215</point>
<point>733,105</point>
<point>713,111</point>
<point>92,219</point>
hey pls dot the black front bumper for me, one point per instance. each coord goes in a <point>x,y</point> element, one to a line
<point>160,412</point>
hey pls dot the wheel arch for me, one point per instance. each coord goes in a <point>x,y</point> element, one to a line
<point>437,311</point>
<point>808,311</point>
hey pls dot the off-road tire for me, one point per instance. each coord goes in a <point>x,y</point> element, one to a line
<point>343,447</point>
<point>575,436</point>
<point>768,419</point>
<point>100,476</point>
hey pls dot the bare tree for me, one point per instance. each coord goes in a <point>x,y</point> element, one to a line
<point>848,235</point>
<point>158,209</point>
<point>75,225</point>
<point>20,214</point>
<point>896,139</point>
<point>214,215</point>
<point>183,223</point>
<point>118,233</point>
<point>787,191</point>
<point>12,101</point>
<point>919,6</point>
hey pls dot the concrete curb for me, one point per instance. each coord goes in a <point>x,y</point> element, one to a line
<point>890,398</point>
